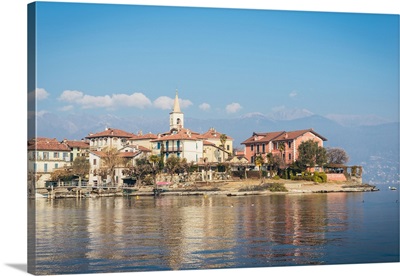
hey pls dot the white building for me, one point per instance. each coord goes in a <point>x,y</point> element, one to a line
<point>182,143</point>
<point>110,137</point>
<point>44,156</point>
<point>128,153</point>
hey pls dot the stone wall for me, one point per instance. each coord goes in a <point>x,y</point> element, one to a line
<point>336,177</point>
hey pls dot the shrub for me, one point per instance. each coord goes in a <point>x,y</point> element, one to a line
<point>276,177</point>
<point>277,187</point>
<point>273,187</point>
<point>319,177</point>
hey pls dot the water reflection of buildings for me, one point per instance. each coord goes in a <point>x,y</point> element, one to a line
<point>195,233</point>
<point>290,228</point>
<point>128,234</point>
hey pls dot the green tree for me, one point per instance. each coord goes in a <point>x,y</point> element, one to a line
<point>259,161</point>
<point>281,148</point>
<point>80,168</point>
<point>310,154</point>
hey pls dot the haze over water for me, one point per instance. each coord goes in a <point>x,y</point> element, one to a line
<point>203,232</point>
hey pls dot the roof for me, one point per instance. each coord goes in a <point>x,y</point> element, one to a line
<point>279,136</point>
<point>262,136</point>
<point>213,134</point>
<point>144,136</point>
<point>76,144</point>
<point>112,132</point>
<point>297,133</point>
<point>183,134</point>
<point>50,144</point>
<point>238,160</point>
<point>208,143</point>
<point>128,154</point>
<point>137,147</point>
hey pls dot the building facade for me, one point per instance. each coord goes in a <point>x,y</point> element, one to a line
<point>110,137</point>
<point>78,149</point>
<point>45,155</point>
<point>282,143</point>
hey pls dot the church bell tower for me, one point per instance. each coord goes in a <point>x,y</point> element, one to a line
<point>176,116</point>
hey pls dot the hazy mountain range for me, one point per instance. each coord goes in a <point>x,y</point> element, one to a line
<point>364,140</point>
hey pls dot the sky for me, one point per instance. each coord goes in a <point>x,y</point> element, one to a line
<point>129,60</point>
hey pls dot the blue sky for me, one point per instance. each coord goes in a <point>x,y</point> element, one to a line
<point>128,60</point>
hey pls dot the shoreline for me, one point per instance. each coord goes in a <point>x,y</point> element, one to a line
<point>226,188</point>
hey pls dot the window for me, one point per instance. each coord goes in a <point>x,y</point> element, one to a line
<point>227,147</point>
<point>251,148</point>
<point>94,162</point>
<point>289,144</point>
<point>55,154</point>
<point>45,155</point>
<point>263,148</point>
<point>290,156</point>
<point>65,155</point>
<point>56,165</point>
<point>45,167</point>
<point>258,148</point>
<point>158,145</point>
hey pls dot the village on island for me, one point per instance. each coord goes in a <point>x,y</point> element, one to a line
<point>184,162</point>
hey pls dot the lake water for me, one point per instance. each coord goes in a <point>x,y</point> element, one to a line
<point>197,232</point>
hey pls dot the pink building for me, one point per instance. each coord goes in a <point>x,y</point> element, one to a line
<point>284,143</point>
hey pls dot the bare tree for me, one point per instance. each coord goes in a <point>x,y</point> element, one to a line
<point>111,160</point>
<point>337,156</point>
<point>80,167</point>
<point>141,168</point>
<point>172,164</point>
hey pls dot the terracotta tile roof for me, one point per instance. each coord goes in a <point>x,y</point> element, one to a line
<point>144,136</point>
<point>183,134</point>
<point>279,136</point>
<point>208,143</point>
<point>128,154</point>
<point>291,135</point>
<point>262,136</point>
<point>76,144</point>
<point>112,132</point>
<point>213,134</point>
<point>50,144</point>
<point>144,149</point>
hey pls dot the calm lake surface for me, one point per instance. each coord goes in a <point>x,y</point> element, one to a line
<point>197,232</point>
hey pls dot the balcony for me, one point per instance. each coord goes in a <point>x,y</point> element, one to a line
<point>173,149</point>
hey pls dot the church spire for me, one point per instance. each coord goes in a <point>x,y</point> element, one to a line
<point>176,103</point>
<point>176,116</point>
